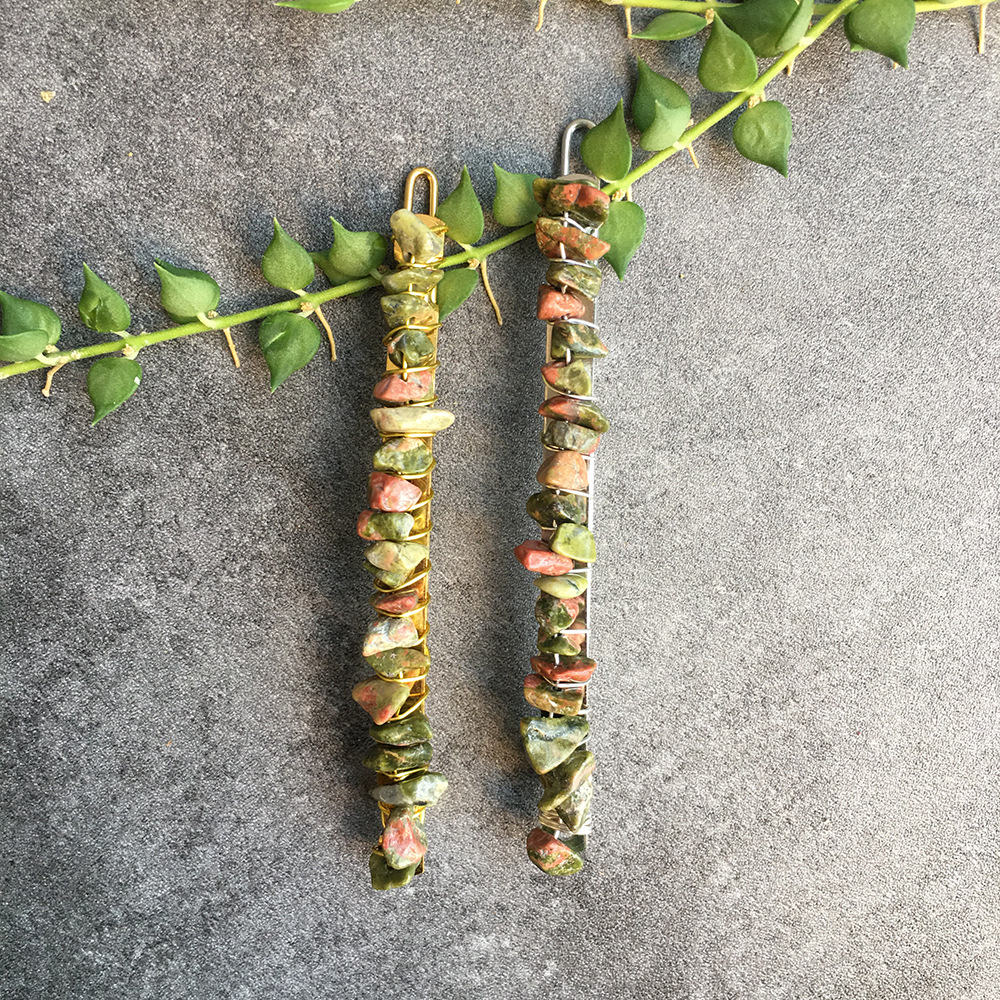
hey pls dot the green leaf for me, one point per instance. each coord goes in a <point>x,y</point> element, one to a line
<point>101,308</point>
<point>318,6</point>
<point>883,26</point>
<point>110,382</point>
<point>514,204</point>
<point>796,27</point>
<point>761,23</point>
<point>287,264</point>
<point>606,148</point>
<point>321,258</point>
<point>454,288</point>
<point>462,213</point>
<point>624,231</point>
<point>355,254</point>
<point>763,134</point>
<point>185,293</point>
<point>289,342</point>
<point>660,108</point>
<point>27,329</point>
<point>671,27</point>
<point>727,63</point>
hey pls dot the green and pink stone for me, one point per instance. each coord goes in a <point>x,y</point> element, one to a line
<point>573,210</point>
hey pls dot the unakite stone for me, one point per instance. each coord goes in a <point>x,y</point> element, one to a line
<point>424,788</point>
<point>401,387</point>
<point>405,309</point>
<point>574,810</point>
<point>560,644</point>
<point>570,437</point>
<point>388,492</point>
<point>577,670</point>
<point>410,420</point>
<point>380,525</point>
<point>392,759</point>
<point>403,839</point>
<point>403,732</point>
<point>393,562</point>
<point>384,877</point>
<point>554,614</point>
<point>583,278</point>
<point>402,663</point>
<point>564,470</point>
<point>380,698</point>
<point>583,341</point>
<point>388,633</point>
<point>562,781</point>
<point>549,508</point>
<point>576,411</point>
<point>416,239</point>
<point>554,304</point>
<point>411,279</point>
<point>573,378</point>
<point>580,197</point>
<point>412,346</point>
<point>551,855</point>
<point>396,604</point>
<point>548,698</point>
<point>548,742</point>
<point>554,239</point>
<point>571,585</point>
<point>404,456</point>
<point>537,557</point>
<point>576,541</point>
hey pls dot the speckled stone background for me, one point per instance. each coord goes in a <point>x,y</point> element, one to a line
<point>797,703</point>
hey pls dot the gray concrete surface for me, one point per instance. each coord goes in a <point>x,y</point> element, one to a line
<point>796,709</point>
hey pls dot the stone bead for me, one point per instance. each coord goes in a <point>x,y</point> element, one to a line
<point>554,304</point>
<point>411,420</point>
<point>562,781</point>
<point>554,614</point>
<point>549,508</point>
<point>404,456</point>
<point>580,198</point>
<point>562,643</point>
<point>574,810</point>
<point>405,309</point>
<point>391,760</point>
<point>582,341</point>
<point>563,470</point>
<point>402,663</point>
<point>576,671</point>
<point>404,842</point>
<point>396,604</point>
<point>582,278</point>
<point>384,525</point>
<point>412,346</point>
<point>548,742</point>
<point>380,698</point>
<point>384,877</point>
<point>414,237</point>
<point>573,377</point>
<point>571,585</point>
<point>422,789</point>
<point>393,562</point>
<point>570,437</point>
<point>411,279</point>
<point>555,240</point>
<point>548,698</point>
<point>403,732</point>
<point>550,854</point>
<point>575,541</point>
<point>389,633</point>
<point>576,411</point>
<point>537,557</point>
<point>412,388</point>
<point>387,492</point>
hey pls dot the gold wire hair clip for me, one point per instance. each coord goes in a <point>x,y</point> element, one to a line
<point>573,210</point>
<point>398,525</point>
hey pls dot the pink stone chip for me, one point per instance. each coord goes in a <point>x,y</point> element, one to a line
<point>564,470</point>
<point>397,604</point>
<point>388,492</point>
<point>554,304</point>
<point>537,557</point>
<point>395,389</point>
<point>402,839</point>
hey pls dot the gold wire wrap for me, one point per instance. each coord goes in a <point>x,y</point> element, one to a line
<point>418,581</point>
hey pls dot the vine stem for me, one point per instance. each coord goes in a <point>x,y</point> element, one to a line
<point>311,300</point>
